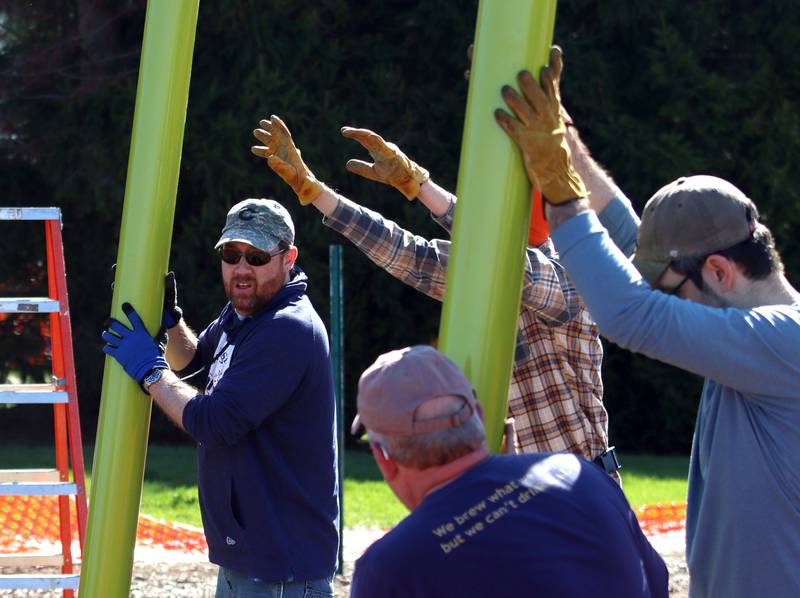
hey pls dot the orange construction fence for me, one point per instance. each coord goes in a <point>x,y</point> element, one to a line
<point>29,522</point>
<point>662,517</point>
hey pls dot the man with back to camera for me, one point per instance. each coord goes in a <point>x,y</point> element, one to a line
<point>706,292</point>
<point>556,392</point>
<point>264,422</point>
<point>549,524</point>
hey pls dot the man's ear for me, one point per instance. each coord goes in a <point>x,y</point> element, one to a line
<point>291,256</point>
<point>720,273</point>
<point>388,467</point>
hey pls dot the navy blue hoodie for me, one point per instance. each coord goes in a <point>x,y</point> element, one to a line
<point>266,441</point>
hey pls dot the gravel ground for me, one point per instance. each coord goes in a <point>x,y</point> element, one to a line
<point>161,574</point>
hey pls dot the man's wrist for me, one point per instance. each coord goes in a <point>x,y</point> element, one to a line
<point>327,201</point>
<point>438,200</point>
<point>558,213</point>
<point>152,378</point>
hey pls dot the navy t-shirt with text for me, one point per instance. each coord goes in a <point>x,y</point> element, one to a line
<point>548,525</point>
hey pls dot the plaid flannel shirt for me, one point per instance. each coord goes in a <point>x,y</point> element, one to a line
<point>556,395</point>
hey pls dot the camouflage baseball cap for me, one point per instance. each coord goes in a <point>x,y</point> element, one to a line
<point>262,223</point>
<point>691,217</point>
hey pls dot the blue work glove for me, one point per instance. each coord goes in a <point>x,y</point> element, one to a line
<point>172,313</point>
<point>135,350</point>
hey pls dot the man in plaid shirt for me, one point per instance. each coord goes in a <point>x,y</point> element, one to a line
<point>556,394</point>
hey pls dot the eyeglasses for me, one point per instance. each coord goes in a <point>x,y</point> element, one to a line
<point>254,258</point>
<point>674,290</point>
<point>382,449</point>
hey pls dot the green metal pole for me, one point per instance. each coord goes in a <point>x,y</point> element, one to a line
<point>142,260</point>
<point>484,278</point>
<point>337,359</point>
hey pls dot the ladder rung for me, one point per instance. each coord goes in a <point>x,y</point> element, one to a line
<point>28,305</point>
<point>23,394</point>
<point>40,582</point>
<point>38,488</point>
<point>30,214</point>
<point>29,475</point>
<point>31,560</point>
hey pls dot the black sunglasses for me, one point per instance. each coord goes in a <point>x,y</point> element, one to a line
<point>254,258</point>
<point>674,290</point>
<point>693,272</point>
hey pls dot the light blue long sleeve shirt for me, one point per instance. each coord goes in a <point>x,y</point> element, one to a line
<point>743,506</point>
<point>621,222</point>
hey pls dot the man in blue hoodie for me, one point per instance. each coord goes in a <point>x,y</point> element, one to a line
<point>264,421</point>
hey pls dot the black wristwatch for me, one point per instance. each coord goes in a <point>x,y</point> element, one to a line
<point>151,378</point>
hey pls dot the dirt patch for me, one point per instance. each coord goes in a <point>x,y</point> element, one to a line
<point>161,574</point>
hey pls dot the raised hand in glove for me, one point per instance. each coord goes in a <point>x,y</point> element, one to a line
<point>391,166</point>
<point>134,349</point>
<point>172,314</point>
<point>284,158</point>
<point>539,129</point>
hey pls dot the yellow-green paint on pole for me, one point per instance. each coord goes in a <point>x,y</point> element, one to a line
<point>490,231</point>
<point>142,259</point>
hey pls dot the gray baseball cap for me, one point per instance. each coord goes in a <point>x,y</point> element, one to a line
<point>691,217</point>
<point>262,223</point>
<point>392,388</point>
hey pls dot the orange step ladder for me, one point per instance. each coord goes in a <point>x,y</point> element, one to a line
<point>62,394</point>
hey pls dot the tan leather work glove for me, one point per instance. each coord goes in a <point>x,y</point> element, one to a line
<point>539,129</point>
<point>391,166</point>
<point>564,113</point>
<point>284,158</point>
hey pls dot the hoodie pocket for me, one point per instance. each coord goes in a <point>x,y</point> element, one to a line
<point>223,530</point>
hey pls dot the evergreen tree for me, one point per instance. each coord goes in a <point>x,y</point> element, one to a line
<point>658,90</point>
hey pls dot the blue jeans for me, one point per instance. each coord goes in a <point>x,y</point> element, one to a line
<point>231,584</point>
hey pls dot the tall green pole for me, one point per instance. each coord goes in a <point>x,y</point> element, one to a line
<point>484,277</point>
<point>337,361</point>
<point>142,260</point>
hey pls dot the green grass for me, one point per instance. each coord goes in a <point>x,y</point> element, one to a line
<point>648,479</point>
<point>368,501</point>
<point>170,479</point>
<point>170,484</point>
<point>170,490</point>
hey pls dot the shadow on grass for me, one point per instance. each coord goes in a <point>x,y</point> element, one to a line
<point>665,467</point>
<point>167,465</point>
<point>359,465</point>
<point>176,465</point>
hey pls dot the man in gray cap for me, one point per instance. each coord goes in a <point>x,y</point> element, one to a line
<point>709,296</point>
<point>546,524</point>
<point>264,417</point>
